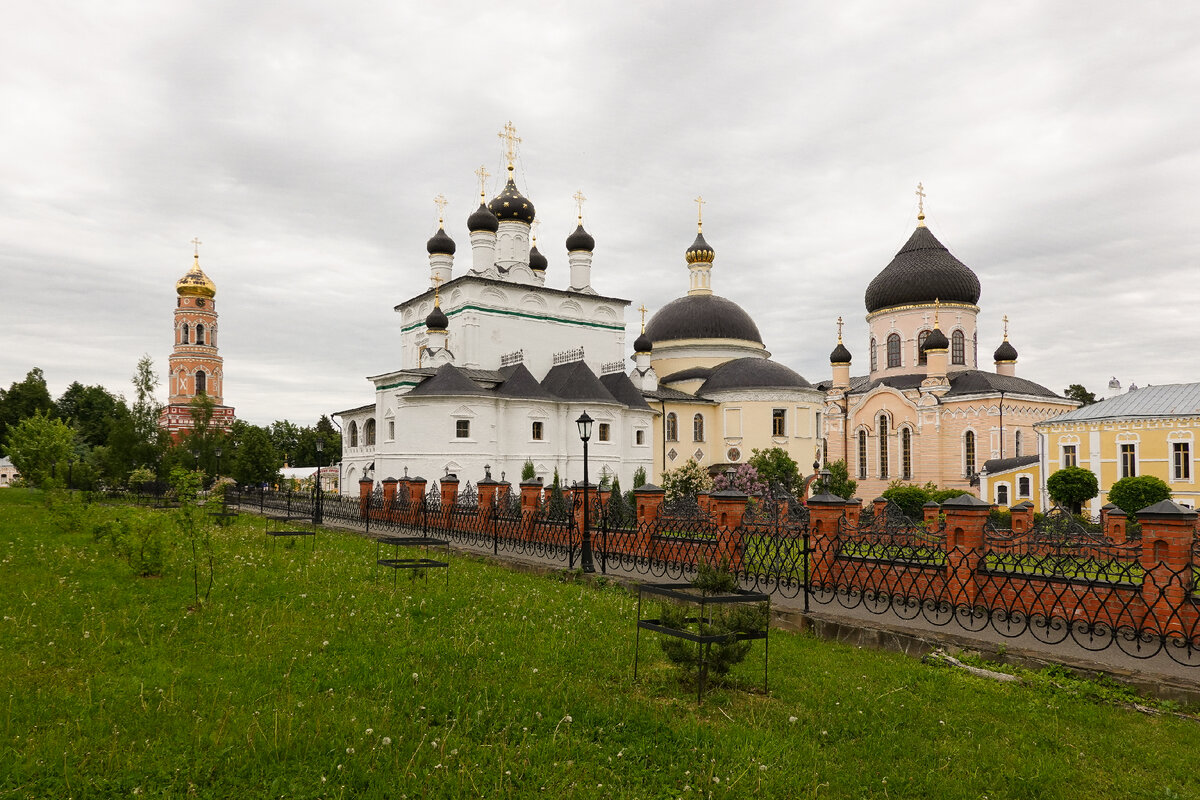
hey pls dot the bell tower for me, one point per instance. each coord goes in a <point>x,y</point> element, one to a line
<point>195,366</point>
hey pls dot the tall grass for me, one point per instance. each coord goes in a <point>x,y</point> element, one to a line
<point>306,675</point>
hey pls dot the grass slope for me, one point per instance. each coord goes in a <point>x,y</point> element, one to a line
<point>305,676</point>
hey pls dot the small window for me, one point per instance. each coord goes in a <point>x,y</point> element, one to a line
<point>462,429</point>
<point>1002,494</point>
<point>921,357</point>
<point>1069,458</point>
<point>906,453</point>
<point>201,382</point>
<point>604,432</point>
<point>893,350</point>
<point>639,436</point>
<point>199,334</point>
<point>391,429</point>
<point>353,433</point>
<point>779,422</point>
<point>874,356</point>
<point>538,431</point>
<point>672,432</point>
<point>185,336</point>
<point>369,433</point>
<point>698,428</point>
<point>1181,456</point>
<point>969,453</point>
<point>1017,443</point>
<point>1128,461</point>
<point>1023,486</point>
<point>958,348</point>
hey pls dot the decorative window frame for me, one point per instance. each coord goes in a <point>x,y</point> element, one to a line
<point>1184,438</point>
<point>969,469</point>
<point>1027,476</point>
<point>1008,493</point>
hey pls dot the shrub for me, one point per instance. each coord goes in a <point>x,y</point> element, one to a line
<point>639,477</point>
<point>528,471</point>
<point>910,498</point>
<point>688,480</point>
<point>141,542</point>
<point>746,480</point>
<point>1131,495</point>
<point>723,619</point>
<point>1071,486</point>
<point>774,466</point>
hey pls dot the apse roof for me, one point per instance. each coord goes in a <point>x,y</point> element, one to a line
<point>621,387</point>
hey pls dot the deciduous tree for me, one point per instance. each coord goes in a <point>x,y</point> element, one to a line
<point>1131,495</point>
<point>1072,486</point>
<point>37,443</point>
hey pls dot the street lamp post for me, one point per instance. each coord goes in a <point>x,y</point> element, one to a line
<point>317,517</point>
<point>585,432</point>
<point>218,454</point>
<point>196,458</point>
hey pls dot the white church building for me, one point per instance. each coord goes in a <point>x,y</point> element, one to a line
<point>496,366</point>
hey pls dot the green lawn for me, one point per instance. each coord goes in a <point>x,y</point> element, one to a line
<point>303,676</point>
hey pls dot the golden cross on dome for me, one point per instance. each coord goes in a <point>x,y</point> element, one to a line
<point>1006,327</point>
<point>839,330</point>
<point>441,202</point>
<point>483,175</point>
<point>643,310</point>
<point>511,140</point>
<point>700,201</point>
<point>437,284</point>
<point>920,193</point>
<point>534,225</point>
<point>579,201</point>
<point>196,243</point>
<point>937,306</point>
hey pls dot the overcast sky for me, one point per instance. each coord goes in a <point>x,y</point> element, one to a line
<point>303,143</point>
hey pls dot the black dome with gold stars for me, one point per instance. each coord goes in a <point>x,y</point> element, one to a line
<point>511,205</point>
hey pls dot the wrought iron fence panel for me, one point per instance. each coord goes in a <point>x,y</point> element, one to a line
<point>891,536</point>
<point>1059,546</point>
<point>507,503</point>
<point>467,501</point>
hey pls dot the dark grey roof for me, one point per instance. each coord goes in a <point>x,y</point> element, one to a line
<point>752,373</point>
<point>923,271</point>
<point>995,465</point>
<point>448,380</point>
<point>620,387</point>
<point>483,375</point>
<point>482,219</point>
<point>669,394</point>
<point>1005,352</point>
<point>689,374</point>
<point>440,242</point>
<point>469,278</point>
<point>520,383</point>
<point>1168,400</point>
<point>702,316</point>
<point>580,240</point>
<point>576,382</point>
<point>969,381</point>
<point>840,355</point>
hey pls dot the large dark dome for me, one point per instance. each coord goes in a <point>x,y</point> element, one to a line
<point>510,204</point>
<point>752,373</point>
<point>440,243</point>
<point>702,316</point>
<point>923,271</point>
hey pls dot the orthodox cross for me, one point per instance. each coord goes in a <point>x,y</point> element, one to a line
<point>437,283</point>
<point>534,225</point>
<point>483,175</point>
<point>643,310</point>
<point>1006,327</point>
<point>937,306</point>
<point>579,201</point>
<point>196,242</point>
<point>920,193</point>
<point>839,330</point>
<point>511,140</point>
<point>441,202</point>
<point>700,201</point>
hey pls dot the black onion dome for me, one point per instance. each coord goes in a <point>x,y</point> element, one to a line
<point>437,320</point>
<point>700,251</point>
<point>936,340</point>
<point>580,240</point>
<point>511,205</point>
<point>642,344</point>
<point>440,243</point>
<point>923,271</point>
<point>482,219</point>
<point>702,316</point>
<point>752,373</point>
<point>1006,352</point>
<point>537,260</point>
<point>840,355</point>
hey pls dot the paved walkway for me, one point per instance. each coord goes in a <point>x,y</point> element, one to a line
<point>1159,674</point>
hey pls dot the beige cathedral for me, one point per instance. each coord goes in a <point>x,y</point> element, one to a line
<point>925,411</point>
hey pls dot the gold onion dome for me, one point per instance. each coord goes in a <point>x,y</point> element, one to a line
<point>700,252</point>
<point>195,283</point>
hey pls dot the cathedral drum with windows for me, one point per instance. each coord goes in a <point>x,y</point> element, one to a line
<point>925,412</point>
<point>196,368</point>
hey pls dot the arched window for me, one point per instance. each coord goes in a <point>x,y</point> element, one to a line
<point>672,434</point>
<point>698,428</point>
<point>185,337</point>
<point>1002,494</point>
<point>1023,486</point>
<point>199,333</point>
<point>353,433</point>
<point>874,356</point>
<point>906,454</point>
<point>883,446</point>
<point>862,455</point>
<point>969,453</point>
<point>201,382</point>
<point>1017,443</point>
<point>369,432</point>
<point>921,357</point>
<point>893,345</point>
<point>958,348</point>
<point>975,350</point>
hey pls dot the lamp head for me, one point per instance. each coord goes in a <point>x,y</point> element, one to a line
<point>585,426</point>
